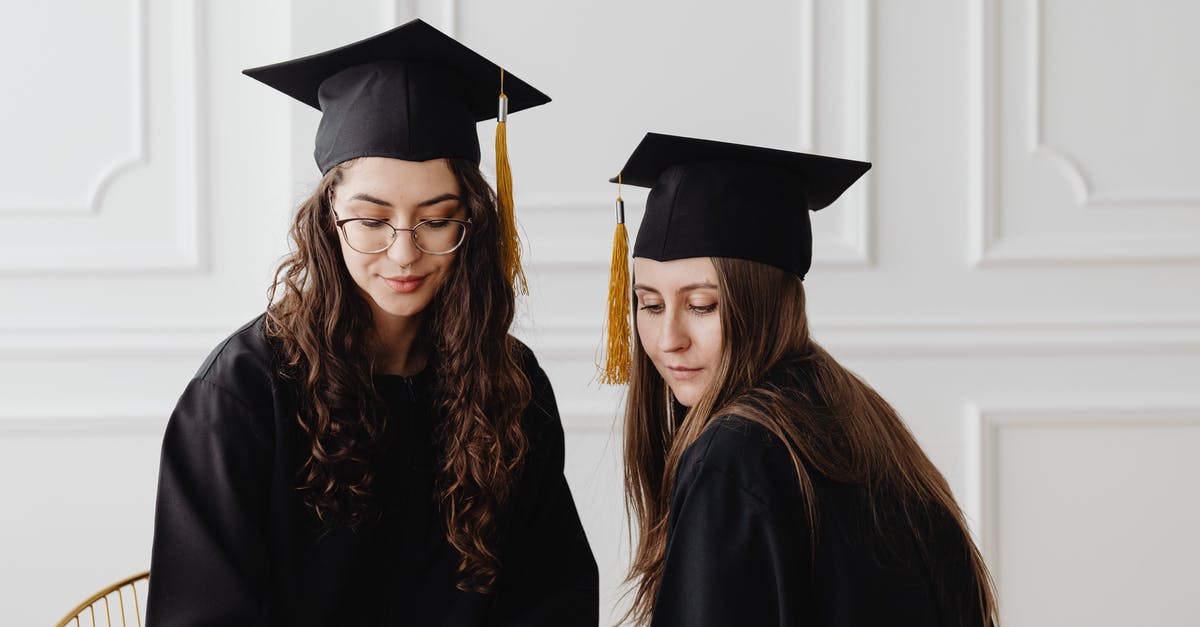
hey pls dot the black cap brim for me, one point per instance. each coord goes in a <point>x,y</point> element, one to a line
<point>826,177</point>
<point>415,41</point>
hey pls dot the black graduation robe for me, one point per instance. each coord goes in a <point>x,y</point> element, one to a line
<point>739,550</point>
<point>235,545</point>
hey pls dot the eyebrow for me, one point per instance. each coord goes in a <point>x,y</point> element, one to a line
<point>438,199</point>
<point>687,288</point>
<point>425,203</point>
<point>371,199</point>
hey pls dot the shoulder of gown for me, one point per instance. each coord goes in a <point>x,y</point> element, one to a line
<point>542,410</point>
<point>244,365</point>
<point>748,456</point>
<point>209,555</point>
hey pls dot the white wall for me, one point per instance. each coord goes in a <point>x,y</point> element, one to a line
<point>1018,273</point>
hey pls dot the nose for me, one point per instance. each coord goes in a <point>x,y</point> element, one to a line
<point>673,336</point>
<point>404,250</point>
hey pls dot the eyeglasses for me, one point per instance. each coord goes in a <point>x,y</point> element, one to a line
<point>435,237</point>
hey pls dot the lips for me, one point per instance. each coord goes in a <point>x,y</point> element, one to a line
<point>404,284</point>
<point>682,373</point>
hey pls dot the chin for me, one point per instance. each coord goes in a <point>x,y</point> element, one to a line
<point>687,396</point>
<point>402,309</point>
<point>398,305</point>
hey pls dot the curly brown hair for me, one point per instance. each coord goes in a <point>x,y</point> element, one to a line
<point>324,326</point>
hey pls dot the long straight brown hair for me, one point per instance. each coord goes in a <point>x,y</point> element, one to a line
<point>827,417</point>
<point>325,329</point>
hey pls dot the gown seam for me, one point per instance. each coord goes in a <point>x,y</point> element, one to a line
<point>243,405</point>
<point>705,461</point>
<point>735,482</point>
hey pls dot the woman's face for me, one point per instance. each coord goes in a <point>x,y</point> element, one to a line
<point>678,322</point>
<point>398,282</point>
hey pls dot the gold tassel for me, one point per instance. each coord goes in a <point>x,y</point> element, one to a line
<point>510,244</point>
<point>618,347</point>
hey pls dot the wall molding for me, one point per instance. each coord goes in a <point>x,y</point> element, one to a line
<point>141,116</point>
<point>140,122</point>
<point>187,235</point>
<point>807,78</point>
<point>987,243</point>
<point>933,338</point>
<point>449,15</point>
<point>82,422</point>
<point>1085,193</point>
<point>859,219</point>
<point>398,12</point>
<point>854,245</point>
<point>577,337</point>
<point>922,339</point>
<point>986,421</point>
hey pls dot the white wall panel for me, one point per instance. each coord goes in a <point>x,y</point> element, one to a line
<point>598,64</point>
<point>1083,134</point>
<point>75,513</point>
<point>1017,273</point>
<point>105,164</point>
<point>1090,513</point>
<point>142,233</point>
<point>1082,83</point>
<point>110,85</point>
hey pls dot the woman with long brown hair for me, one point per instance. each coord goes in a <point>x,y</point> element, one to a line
<point>769,484</point>
<point>376,449</point>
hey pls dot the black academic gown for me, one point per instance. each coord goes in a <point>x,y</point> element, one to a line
<point>739,551</point>
<point>235,545</point>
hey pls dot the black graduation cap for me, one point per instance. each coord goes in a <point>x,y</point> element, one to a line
<point>411,93</point>
<point>717,199</point>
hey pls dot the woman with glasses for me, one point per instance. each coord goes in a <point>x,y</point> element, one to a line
<point>376,449</point>
<point>770,485</point>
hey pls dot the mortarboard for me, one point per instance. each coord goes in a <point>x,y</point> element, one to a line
<point>411,93</point>
<point>717,199</point>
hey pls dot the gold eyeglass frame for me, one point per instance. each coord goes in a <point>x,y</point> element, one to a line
<point>412,231</point>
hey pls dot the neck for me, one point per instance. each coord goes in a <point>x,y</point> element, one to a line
<point>396,349</point>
